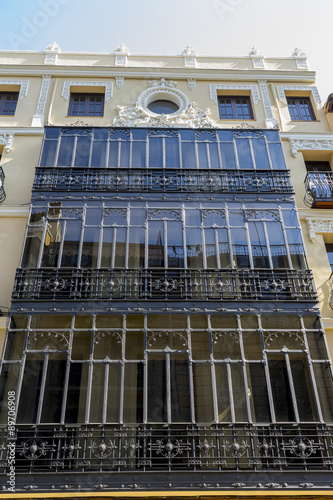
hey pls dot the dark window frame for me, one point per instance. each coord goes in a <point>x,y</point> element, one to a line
<point>87,101</point>
<point>8,98</point>
<point>296,113</point>
<point>234,111</point>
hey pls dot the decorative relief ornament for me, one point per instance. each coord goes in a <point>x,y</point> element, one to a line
<point>121,54</point>
<point>300,58</point>
<point>54,47</point>
<point>7,141</point>
<point>255,52</point>
<point>282,88</point>
<point>119,81</point>
<point>310,144</point>
<point>213,88</point>
<point>161,83</point>
<point>318,226</point>
<point>192,83</point>
<point>189,54</point>
<point>298,53</point>
<point>189,50</point>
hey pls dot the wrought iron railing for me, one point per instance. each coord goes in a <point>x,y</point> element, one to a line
<point>2,189</point>
<point>162,180</point>
<point>169,284</point>
<point>319,189</point>
<point>95,454</point>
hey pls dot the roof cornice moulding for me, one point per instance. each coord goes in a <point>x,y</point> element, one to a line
<point>214,74</point>
<point>22,130</point>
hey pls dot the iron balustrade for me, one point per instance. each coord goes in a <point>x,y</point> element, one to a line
<point>2,189</point>
<point>319,189</point>
<point>162,180</point>
<point>62,454</point>
<point>168,284</point>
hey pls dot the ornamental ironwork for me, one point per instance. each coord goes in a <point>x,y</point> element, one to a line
<point>319,189</point>
<point>166,180</point>
<point>2,189</point>
<point>169,284</point>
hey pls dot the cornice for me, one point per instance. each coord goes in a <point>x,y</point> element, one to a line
<point>144,72</point>
<point>14,211</point>
<point>22,130</point>
<point>304,136</point>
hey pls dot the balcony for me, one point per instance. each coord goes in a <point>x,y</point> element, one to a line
<point>214,457</point>
<point>157,180</point>
<point>319,189</point>
<point>2,189</point>
<point>171,284</point>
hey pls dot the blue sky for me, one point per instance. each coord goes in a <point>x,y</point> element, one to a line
<point>219,27</point>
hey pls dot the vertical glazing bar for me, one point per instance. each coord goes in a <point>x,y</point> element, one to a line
<point>292,387</point>
<point>68,367</point>
<point>105,391</point>
<point>145,372</point>
<point>41,247</point>
<point>122,374</point>
<point>89,387</point>
<point>42,388</point>
<point>190,371</point>
<point>231,394</point>
<point>168,383</point>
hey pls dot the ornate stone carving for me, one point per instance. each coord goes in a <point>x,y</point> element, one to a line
<point>121,49</point>
<point>310,144</point>
<point>98,83</point>
<point>318,226</point>
<point>119,81</point>
<point>189,54</point>
<point>51,53</point>
<point>213,88</point>
<point>23,83</point>
<point>162,83</point>
<point>255,52</point>
<point>7,141</point>
<point>192,83</point>
<point>282,88</point>
<point>189,50</point>
<point>134,115</point>
<point>270,120</point>
<point>121,54</point>
<point>50,58</point>
<point>43,95</point>
<point>53,47</point>
<point>298,53</point>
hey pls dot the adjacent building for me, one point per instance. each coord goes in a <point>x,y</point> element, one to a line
<point>165,247</point>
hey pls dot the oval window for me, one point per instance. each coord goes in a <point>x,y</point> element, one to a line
<point>163,106</point>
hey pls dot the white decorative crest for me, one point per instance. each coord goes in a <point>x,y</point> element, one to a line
<point>310,144</point>
<point>192,83</point>
<point>318,226</point>
<point>282,88</point>
<point>162,83</point>
<point>189,50</point>
<point>298,53</point>
<point>24,84</point>
<point>213,88</point>
<point>98,83</point>
<point>53,47</point>
<point>119,81</point>
<point>7,141</point>
<point>255,52</point>
<point>135,116</point>
<point>121,49</point>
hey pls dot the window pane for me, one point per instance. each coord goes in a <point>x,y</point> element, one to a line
<point>180,388</point>
<point>54,388</point>
<point>303,389</point>
<point>203,393</point>
<point>133,393</point>
<point>97,393</point>
<point>239,248</point>
<point>194,248</point>
<point>136,248</point>
<point>52,243</point>
<point>120,247</point>
<point>260,154</point>
<point>258,245</point>
<point>112,412</point>
<point>210,245</point>
<point>155,244</point>
<point>202,153</point>
<point>188,155</point>
<point>90,247</point>
<point>31,247</point>
<point>65,155</point>
<point>175,244</point>
<point>138,154</point>
<point>172,152</point>
<point>244,153</point>
<point>98,158</point>
<point>155,152</point>
<point>124,154</point>
<point>222,389</point>
<point>8,382</point>
<point>228,155</point>
<point>82,152</point>
<point>114,149</point>
<point>277,158</point>
<point>296,248</point>
<point>107,247</point>
<point>277,247</point>
<point>239,392</point>
<point>224,252</point>
<point>258,392</point>
<point>71,244</point>
<point>284,411</point>
<point>49,153</point>
<point>325,389</point>
<point>77,393</point>
<point>30,391</point>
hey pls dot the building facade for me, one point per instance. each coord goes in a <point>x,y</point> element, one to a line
<point>166,334</point>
